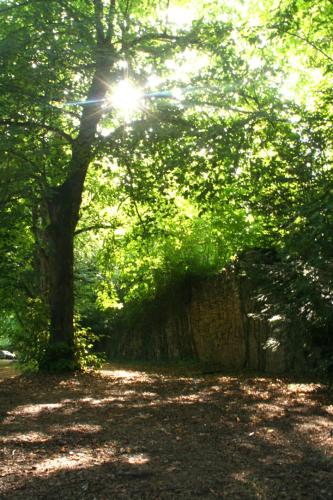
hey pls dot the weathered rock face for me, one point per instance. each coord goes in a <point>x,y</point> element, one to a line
<point>216,321</point>
<point>160,330</point>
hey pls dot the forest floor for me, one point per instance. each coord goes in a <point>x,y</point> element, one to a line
<point>144,434</point>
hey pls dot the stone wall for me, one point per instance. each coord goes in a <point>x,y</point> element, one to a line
<point>216,321</point>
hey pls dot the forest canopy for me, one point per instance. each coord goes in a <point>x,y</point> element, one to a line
<point>145,141</point>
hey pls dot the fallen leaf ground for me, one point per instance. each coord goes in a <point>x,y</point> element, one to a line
<point>126,434</point>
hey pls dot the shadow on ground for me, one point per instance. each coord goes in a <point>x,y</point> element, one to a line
<point>133,434</point>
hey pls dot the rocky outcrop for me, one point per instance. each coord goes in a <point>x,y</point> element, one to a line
<point>218,321</point>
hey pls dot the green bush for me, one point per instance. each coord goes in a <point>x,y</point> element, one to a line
<point>85,340</point>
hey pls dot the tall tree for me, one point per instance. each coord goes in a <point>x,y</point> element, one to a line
<point>52,52</point>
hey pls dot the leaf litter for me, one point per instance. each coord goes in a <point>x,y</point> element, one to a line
<point>145,434</point>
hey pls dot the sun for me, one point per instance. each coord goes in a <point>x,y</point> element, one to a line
<point>181,17</point>
<point>125,98</point>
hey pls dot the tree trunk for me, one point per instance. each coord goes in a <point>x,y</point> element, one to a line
<point>64,206</point>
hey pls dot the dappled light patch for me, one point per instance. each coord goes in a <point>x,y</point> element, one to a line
<point>26,437</point>
<point>138,458</point>
<point>185,399</point>
<point>36,409</point>
<point>75,428</point>
<point>329,409</point>
<point>100,402</point>
<point>72,460</point>
<point>129,375</point>
<point>300,389</point>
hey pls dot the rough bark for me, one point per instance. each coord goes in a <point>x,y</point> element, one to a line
<point>60,234</point>
<point>64,203</point>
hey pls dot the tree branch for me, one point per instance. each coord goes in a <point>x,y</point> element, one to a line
<point>133,200</point>
<point>22,4</point>
<point>127,9</point>
<point>99,22</point>
<point>110,31</point>
<point>73,11</point>
<point>153,36</point>
<point>91,228</point>
<point>30,124</point>
<point>313,45</point>
<point>39,176</point>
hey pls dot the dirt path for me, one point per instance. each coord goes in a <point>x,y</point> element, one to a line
<point>139,435</point>
<point>8,368</point>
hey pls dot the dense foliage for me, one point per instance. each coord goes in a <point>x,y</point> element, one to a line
<point>228,147</point>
